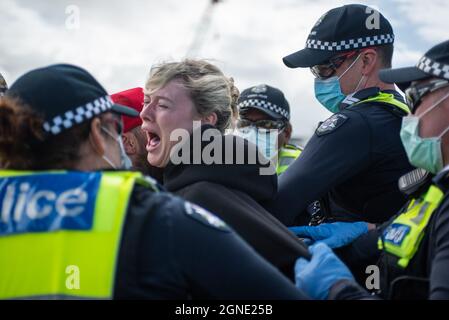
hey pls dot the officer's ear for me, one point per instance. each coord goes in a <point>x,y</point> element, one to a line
<point>96,138</point>
<point>369,59</point>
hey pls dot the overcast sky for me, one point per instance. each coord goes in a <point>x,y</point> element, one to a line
<point>119,40</point>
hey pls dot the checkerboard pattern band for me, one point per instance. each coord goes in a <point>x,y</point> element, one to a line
<point>432,67</point>
<point>264,104</point>
<point>350,44</point>
<point>78,115</point>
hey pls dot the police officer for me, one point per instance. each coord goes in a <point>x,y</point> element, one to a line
<point>91,233</point>
<point>134,139</point>
<point>263,108</point>
<point>355,157</point>
<point>413,245</point>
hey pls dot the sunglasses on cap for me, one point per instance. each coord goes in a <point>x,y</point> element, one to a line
<point>415,93</point>
<point>116,123</point>
<point>262,124</point>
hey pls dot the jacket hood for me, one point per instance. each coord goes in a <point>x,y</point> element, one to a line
<point>226,160</point>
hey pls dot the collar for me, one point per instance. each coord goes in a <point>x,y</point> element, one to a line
<point>365,94</point>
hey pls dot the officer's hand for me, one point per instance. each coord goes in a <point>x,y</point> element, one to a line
<point>317,276</point>
<point>335,235</point>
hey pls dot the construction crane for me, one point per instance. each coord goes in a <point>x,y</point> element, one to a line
<point>202,29</point>
<point>3,85</point>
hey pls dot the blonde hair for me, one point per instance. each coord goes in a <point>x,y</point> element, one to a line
<point>210,90</point>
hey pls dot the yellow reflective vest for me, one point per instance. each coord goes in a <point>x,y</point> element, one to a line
<point>287,155</point>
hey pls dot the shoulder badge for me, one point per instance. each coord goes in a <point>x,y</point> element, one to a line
<point>331,124</point>
<point>205,217</point>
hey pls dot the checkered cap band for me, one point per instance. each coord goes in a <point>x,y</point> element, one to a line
<point>434,68</point>
<point>78,115</point>
<point>351,43</point>
<point>264,104</point>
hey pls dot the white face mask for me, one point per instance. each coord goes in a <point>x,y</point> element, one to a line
<point>125,161</point>
<point>265,140</point>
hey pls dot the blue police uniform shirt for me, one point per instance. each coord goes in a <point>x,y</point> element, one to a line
<point>356,157</point>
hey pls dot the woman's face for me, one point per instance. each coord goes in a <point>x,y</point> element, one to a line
<point>167,109</point>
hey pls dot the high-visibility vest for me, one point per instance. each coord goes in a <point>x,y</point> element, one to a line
<point>403,236</point>
<point>387,98</point>
<point>60,232</point>
<point>287,155</point>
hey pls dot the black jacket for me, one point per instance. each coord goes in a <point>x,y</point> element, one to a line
<point>170,251</point>
<point>233,192</point>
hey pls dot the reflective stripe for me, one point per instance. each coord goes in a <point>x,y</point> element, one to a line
<point>386,98</point>
<point>403,236</point>
<point>287,155</point>
<point>47,263</point>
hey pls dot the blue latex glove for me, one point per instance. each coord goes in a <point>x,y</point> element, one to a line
<point>317,276</point>
<point>335,235</point>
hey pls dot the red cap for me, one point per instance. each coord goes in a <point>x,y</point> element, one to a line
<point>132,98</point>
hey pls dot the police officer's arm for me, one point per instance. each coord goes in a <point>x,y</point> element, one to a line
<point>330,157</point>
<point>439,279</point>
<point>187,256</point>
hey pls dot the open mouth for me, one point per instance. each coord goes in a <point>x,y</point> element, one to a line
<point>153,141</point>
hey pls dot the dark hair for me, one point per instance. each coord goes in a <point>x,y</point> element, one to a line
<point>24,145</point>
<point>385,54</point>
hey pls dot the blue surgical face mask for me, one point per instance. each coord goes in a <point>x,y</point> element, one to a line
<point>328,91</point>
<point>125,162</point>
<point>265,140</point>
<point>423,153</point>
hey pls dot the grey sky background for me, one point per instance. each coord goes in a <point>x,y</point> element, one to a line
<point>119,40</point>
